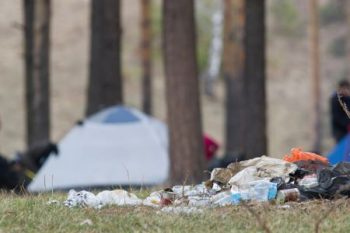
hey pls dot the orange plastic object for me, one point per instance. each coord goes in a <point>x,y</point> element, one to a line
<point>297,154</point>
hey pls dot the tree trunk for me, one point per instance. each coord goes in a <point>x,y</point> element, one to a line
<point>37,49</point>
<point>215,50</point>
<point>256,140</point>
<point>105,78</point>
<point>233,70</point>
<point>346,5</point>
<point>184,119</point>
<point>315,71</point>
<point>146,56</point>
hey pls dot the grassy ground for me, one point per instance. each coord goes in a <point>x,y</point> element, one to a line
<point>33,214</point>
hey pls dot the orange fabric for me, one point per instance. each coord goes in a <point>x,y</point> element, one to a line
<point>297,154</point>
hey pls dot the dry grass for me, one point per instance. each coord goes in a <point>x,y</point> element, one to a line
<point>32,214</point>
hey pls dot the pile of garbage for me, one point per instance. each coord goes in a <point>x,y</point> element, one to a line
<point>299,176</point>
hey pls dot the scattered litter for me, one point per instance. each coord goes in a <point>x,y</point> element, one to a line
<point>153,200</point>
<point>221,175</point>
<point>88,199</point>
<point>309,181</point>
<point>189,190</point>
<point>86,222</point>
<point>288,195</point>
<point>81,199</point>
<point>118,197</point>
<point>181,210</point>
<point>199,201</point>
<point>224,199</point>
<point>284,207</point>
<point>304,176</point>
<point>53,202</point>
<point>297,155</point>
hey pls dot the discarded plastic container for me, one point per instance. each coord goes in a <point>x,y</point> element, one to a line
<point>199,201</point>
<point>189,190</point>
<point>236,198</point>
<point>262,190</point>
<point>288,195</point>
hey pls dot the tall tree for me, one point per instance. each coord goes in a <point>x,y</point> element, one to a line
<point>146,56</point>
<point>346,6</point>
<point>37,49</point>
<point>183,104</point>
<point>256,140</point>
<point>215,50</point>
<point>233,70</point>
<point>105,76</point>
<point>315,71</point>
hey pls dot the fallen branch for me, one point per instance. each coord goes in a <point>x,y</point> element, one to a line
<point>325,215</point>
<point>262,222</point>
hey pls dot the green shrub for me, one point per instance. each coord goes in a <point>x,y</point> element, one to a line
<point>332,12</point>
<point>286,18</point>
<point>338,47</point>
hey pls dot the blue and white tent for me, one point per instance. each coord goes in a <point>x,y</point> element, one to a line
<point>117,146</point>
<point>341,152</point>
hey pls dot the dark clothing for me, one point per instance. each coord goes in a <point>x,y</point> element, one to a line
<point>340,121</point>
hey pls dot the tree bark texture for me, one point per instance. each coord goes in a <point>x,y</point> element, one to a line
<point>255,63</point>
<point>146,56</point>
<point>37,14</point>
<point>105,75</point>
<point>233,71</point>
<point>182,89</point>
<point>315,71</point>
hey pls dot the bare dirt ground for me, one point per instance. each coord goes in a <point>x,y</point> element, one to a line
<point>288,86</point>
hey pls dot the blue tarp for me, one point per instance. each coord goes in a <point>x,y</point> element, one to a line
<point>341,152</point>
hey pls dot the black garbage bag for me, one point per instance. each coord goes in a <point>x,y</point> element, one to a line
<point>9,177</point>
<point>333,181</point>
<point>281,184</point>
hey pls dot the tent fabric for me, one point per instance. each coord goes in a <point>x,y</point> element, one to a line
<point>341,152</point>
<point>114,115</point>
<point>118,146</point>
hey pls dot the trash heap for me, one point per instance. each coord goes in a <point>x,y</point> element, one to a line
<point>299,176</point>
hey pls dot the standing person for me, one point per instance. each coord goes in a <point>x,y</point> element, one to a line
<point>339,119</point>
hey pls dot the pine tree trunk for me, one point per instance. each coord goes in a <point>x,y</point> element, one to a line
<point>233,70</point>
<point>37,76</point>
<point>215,50</point>
<point>146,56</point>
<point>346,5</point>
<point>256,140</point>
<point>184,119</point>
<point>105,78</point>
<point>315,71</point>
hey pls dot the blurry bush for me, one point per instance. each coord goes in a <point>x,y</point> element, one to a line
<point>338,47</point>
<point>286,19</point>
<point>332,12</point>
<point>204,12</point>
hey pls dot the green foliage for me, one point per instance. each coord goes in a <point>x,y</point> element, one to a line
<point>286,18</point>
<point>338,47</point>
<point>332,12</point>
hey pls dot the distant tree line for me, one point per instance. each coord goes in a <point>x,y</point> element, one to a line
<point>243,69</point>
